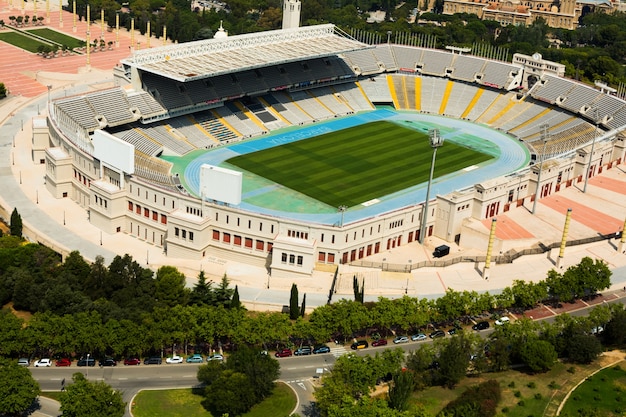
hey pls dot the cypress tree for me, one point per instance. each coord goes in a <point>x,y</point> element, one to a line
<point>16,223</point>
<point>234,302</point>
<point>294,311</point>
<point>303,306</point>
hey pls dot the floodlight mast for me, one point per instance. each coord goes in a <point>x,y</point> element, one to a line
<point>436,140</point>
<point>593,144</point>
<point>545,136</point>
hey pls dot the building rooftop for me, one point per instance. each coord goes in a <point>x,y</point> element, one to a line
<point>208,58</point>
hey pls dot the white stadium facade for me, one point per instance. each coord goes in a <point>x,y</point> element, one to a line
<point>105,149</point>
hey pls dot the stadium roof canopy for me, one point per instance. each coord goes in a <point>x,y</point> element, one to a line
<point>206,58</point>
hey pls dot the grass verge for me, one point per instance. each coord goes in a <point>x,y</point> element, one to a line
<point>57,37</point>
<point>357,164</point>
<point>185,403</point>
<point>21,41</point>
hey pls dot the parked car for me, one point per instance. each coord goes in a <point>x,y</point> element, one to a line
<point>437,333</point>
<point>153,360</point>
<point>401,339</point>
<point>215,357</point>
<point>43,362</point>
<point>481,325</point>
<point>174,359</point>
<point>132,361</point>
<point>63,362</point>
<point>108,362</point>
<point>86,362</point>
<point>23,362</point>
<point>360,344</point>
<point>379,342</point>
<point>502,320</point>
<point>419,336</point>
<point>195,358</point>
<point>283,353</point>
<point>321,349</point>
<point>304,350</point>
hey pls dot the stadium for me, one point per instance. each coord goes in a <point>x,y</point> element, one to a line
<point>240,147</point>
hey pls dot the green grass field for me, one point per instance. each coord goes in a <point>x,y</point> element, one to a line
<point>185,403</point>
<point>21,41</point>
<point>57,37</point>
<point>604,392</point>
<point>358,164</point>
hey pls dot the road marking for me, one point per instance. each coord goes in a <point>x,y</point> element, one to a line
<point>292,368</point>
<point>55,379</point>
<point>310,366</point>
<point>165,377</point>
<point>122,379</point>
<point>301,385</point>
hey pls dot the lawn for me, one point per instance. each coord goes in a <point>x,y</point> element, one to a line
<point>604,392</point>
<point>57,37</point>
<point>523,394</point>
<point>21,41</point>
<point>357,164</point>
<point>184,403</point>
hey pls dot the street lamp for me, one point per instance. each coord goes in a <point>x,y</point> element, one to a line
<point>436,140</point>
<point>388,37</point>
<point>342,210</point>
<point>593,144</point>
<point>545,136</point>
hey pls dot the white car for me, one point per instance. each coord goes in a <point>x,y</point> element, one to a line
<point>215,357</point>
<point>174,359</point>
<point>502,320</point>
<point>43,362</point>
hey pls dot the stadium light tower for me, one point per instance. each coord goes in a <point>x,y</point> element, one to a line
<point>435,141</point>
<point>545,136</point>
<point>593,144</point>
<point>342,209</point>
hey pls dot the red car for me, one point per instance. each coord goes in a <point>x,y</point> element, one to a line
<point>379,342</point>
<point>132,361</point>
<point>64,362</point>
<point>283,353</point>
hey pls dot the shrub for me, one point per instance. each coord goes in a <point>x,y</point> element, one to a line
<point>531,385</point>
<point>571,370</point>
<point>517,394</point>
<point>512,384</point>
<point>553,385</point>
<point>482,398</point>
<point>521,403</point>
<point>538,396</point>
<point>617,368</point>
<point>505,410</point>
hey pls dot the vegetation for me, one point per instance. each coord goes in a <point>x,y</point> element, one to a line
<point>21,41</point>
<point>57,37</point>
<point>16,224</point>
<point>3,94</point>
<point>85,398</point>
<point>235,386</point>
<point>18,388</point>
<point>603,394</point>
<point>357,164</point>
<point>294,311</point>
<point>188,403</point>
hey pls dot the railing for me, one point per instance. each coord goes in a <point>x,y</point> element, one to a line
<point>505,258</point>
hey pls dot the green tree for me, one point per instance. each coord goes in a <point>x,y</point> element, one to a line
<point>3,90</point>
<point>234,302</point>
<point>454,360</point>
<point>538,355</point>
<point>95,399</point>
<point>18,388</point>
<point>615,330</point>
<point>16,224</point>
<point>400,390</point>
<point>303,306</point>
<point>294,311</point>
<point>170,287</point>
<point>202,293</point>
<point>583,348</point>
